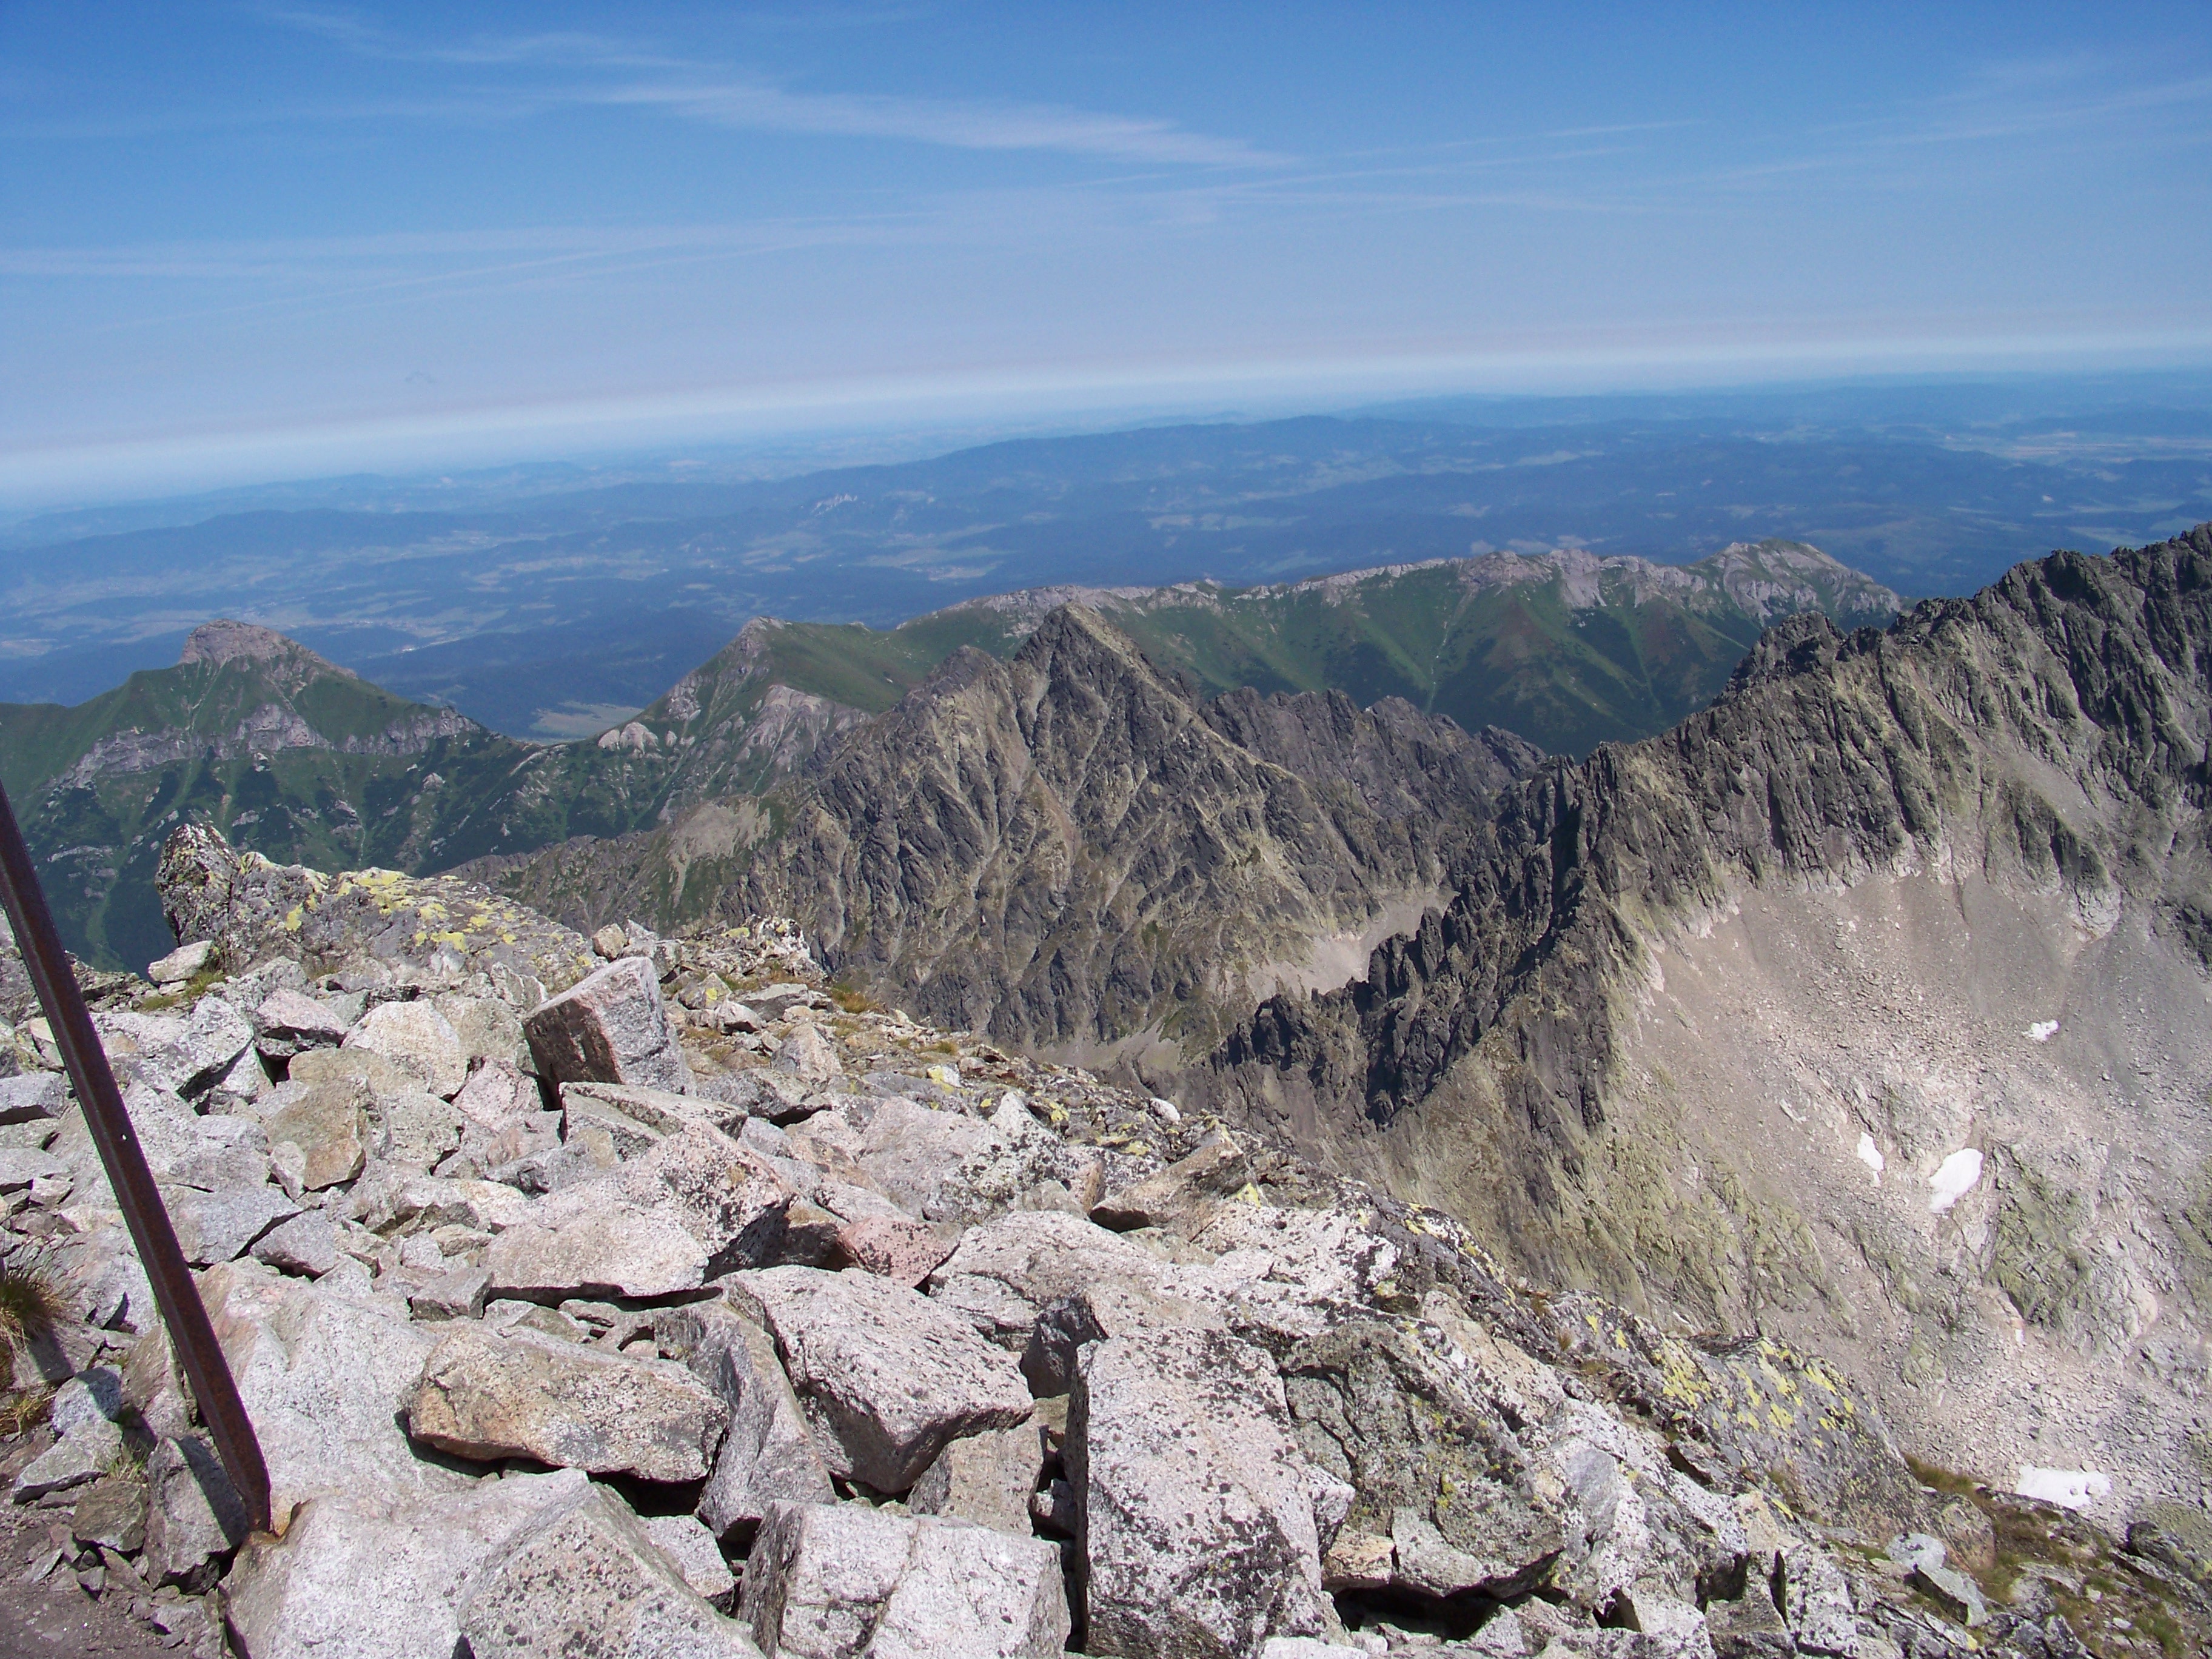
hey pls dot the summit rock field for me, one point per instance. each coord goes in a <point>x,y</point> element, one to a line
<point>650,1295</point>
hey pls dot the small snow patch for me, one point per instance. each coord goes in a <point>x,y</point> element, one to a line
<point>1871,1154</point>
<point>2043,1031</point>
<point>2072,1489</point>
<point>1954,1179</point>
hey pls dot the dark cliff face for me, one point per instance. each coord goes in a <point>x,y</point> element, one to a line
<point>1873,1004</point>
<point>1071,847</point>
<point>1829,756</point>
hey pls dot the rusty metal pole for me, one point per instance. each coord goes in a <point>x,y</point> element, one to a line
<point>174,1291</point>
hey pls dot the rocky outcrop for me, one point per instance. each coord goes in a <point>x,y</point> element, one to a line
<point>1279,1408</point>
<point>609,1027</point>
<point>1070,850</point>
<point>1074,850</point>
<point>1797,1018</point>
<point>255,911</point>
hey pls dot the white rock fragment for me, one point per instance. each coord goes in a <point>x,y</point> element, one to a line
<point>375,1577</point>
<point>1005,1271</point>
<point>985,1479</point>
<point>181,963</point>
<point>322,1375</point>
<point>182,1054</point>
<point>194,1518</point>
<point>217,1226</point>
<point>613,1251</point>
<point>328,1124</point>
<point>684,1539</point>
<point>2071,1489</point>
<point>945,1166</point>
<point>417,1039</point>
<point>769,1452</point>
<point>1954,1179</point>
<point>807,1054</point>
<point>291,1022</point>
<point>487,1395</point>
<point>307,1245</point>
<point>88,1442</point>
<point>2043,1031</point>
<point>32,1097</point>
<point>584,1578</point>
<point>1194,1504</point>
<point>23,1166</point>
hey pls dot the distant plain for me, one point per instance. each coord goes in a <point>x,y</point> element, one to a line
<point>550,601</point>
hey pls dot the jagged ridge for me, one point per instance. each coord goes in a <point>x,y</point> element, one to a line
<point>1678,978</point>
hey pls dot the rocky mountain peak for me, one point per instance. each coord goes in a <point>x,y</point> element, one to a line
<point>224,640</point>
<point>1080,657</point>
<point>1773,579</point>
<point>1877,984</point>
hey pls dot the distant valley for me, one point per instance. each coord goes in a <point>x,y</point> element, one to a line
<point>549,612</point>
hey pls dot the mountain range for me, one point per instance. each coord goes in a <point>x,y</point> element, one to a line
<point>304,760</point>
<point>1864,1008</point>
<point>1869,1004</point>
<point>1849,990</point>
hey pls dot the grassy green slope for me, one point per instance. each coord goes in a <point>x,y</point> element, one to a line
<point>289,756</point>
<point>1569,653</point>
<point>1566,678</point>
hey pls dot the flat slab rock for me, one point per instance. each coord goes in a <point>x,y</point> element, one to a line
<point>217,1226</point>
<point>595,1251</point>
<point>887,1378</point>
<point>489,1395</point>
<point>945,1166</point>
<point>375,1578</point>
<point>328,1125</point>
<point>584,1579</point>
<point>1008,1270</point>
<point>1194,1505</point>
<point>844,1581</point>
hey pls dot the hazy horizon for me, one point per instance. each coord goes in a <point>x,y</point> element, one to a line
<point>243,244</point>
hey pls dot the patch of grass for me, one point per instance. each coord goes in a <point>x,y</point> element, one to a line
<point>190,991</point>
<point>853,1000</point>
<point>1950,1482</point>
<point>31,1304</point>
<point>944,1046</point>
<point>23,1408</point>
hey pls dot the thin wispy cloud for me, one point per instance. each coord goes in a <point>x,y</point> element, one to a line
<point>608,71</point>
<point>767,108</point>
<point>541,200</point>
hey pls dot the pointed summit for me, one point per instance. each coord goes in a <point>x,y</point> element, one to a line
<point>224,640</point>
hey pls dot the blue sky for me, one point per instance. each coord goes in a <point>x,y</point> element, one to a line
<point>245,240</point>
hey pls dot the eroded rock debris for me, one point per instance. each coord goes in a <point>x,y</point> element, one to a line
<point>706,1309</point>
